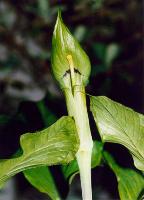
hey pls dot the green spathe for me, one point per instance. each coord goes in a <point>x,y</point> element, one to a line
<point>64,44</point>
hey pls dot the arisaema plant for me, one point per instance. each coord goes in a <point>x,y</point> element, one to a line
<point>68,142</point>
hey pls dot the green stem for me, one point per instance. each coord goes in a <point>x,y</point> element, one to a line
<point>76,105</point>
<point>84,163</point>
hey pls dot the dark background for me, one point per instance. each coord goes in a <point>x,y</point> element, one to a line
<point>111,32</point>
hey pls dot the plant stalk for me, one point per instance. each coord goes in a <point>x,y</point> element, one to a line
<point>76,106</point>
<point>84,163</point>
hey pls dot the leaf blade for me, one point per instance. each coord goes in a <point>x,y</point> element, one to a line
<point>42,179</point>
<point>54,145</point>
<point>130,182</point>
<point>120,124</point>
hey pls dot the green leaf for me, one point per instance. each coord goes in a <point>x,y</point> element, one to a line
<point>57,144</point>
<point>44,9</point>
<point>100,50</point>
<point>112,51</point>
<point>96,153</point>
<point>72,169</point>
<point>120,124</point>
<point>130,182</point>
<point>4,119</point>
<point>107,53</point>
<point>64,44</point>
<point>41,178</point>
<point>48,117</point>
<point>80,33</point>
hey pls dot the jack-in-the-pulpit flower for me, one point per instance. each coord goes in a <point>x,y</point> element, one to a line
<point>71,67</point>
<point>68,58</point>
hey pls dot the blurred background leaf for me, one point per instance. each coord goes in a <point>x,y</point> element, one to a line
<point>130,182</point>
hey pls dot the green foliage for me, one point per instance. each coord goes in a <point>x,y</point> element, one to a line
<point>44,9</point>
<point>112,51</point>
<point>4,119</point>
<point>130,182</point>
<point>59,143</point>
<point>120,124</point>
<point>48,117</point>
<point>64,44</point>
<point>106,53</point>
<point>42,179</point>
<point>55,145</point>
<point>96,153</point>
